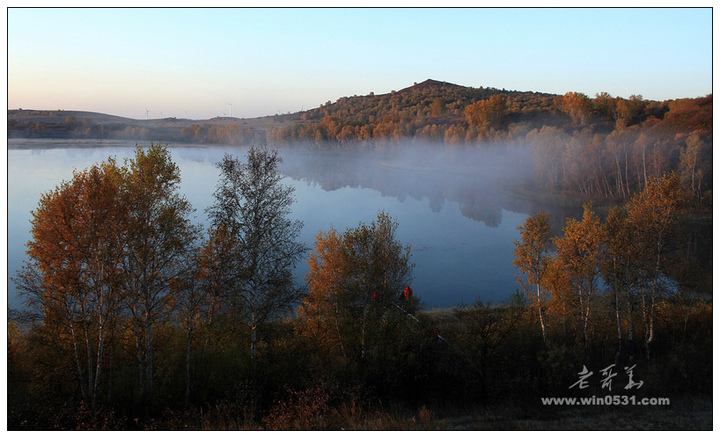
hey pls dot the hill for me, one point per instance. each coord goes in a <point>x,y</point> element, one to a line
<point>60,116</point>
<point>432,110</point>
<point>430,83</point>
<point>67,124</point>
<point>455,115</point>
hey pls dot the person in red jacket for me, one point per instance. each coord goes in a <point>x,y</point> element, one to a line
<point>407,293</point>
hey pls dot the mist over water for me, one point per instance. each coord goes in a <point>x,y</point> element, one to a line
<point>451,206</point>
<point>473,179</point>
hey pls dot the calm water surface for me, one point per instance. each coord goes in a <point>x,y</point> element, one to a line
<point>461,231</point>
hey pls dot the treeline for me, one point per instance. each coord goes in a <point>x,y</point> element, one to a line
<point>139,320</point>
<point>620,163</point>
<point>71,127</point>
<point>226,134</point>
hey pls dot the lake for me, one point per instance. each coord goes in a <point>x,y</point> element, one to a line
<point>449,206</point>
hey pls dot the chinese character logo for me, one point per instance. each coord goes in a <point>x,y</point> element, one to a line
<point>607,375</point>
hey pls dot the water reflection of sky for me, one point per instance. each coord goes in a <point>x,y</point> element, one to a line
<point>457,259</point>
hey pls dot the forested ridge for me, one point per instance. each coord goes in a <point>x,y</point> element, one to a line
<point>602,147</point>
<point>139,319</point>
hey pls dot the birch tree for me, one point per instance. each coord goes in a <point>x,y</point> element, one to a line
<point>73,276</point>
<point>354,277</point>
<point>256,240</point>
<point>579,251</point>
<point>158,239</point>
<point>620,271</point>
<point>652,216</point>
<point>694,165</point>
<point>531,258</point>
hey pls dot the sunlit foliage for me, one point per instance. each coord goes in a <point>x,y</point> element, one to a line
<point>355,279</point>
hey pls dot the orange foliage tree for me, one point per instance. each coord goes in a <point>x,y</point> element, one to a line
<point>107,245</point>
<point>488,113</point>
<point>354,279</point>
<point>531,258</point>
<point>74,274</point>
<point>579,251</point>
<point>653,216</point>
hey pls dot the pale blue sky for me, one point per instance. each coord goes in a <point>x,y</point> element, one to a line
<point>265,61</point>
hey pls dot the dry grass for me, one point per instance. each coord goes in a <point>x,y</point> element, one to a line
<point>316,409</point>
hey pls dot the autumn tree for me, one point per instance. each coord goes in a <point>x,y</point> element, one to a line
<point>653,216</point>
<point>353,278</point>
<point>73,277</point>
<point>693,164</point>
<point>619,271</point>
<point>583,160</point>
<point>628,110</point>
<point>158,239</point>
<point>604,105</point>
<point>562,303</point>
<point>438,107</point>
<point>254,240</point>
<point>641,152</point>
<point>71,122</point>
<point>109,242</point>
<point>578,106</point>
<point>619,145</point>
<point>548,148</point>
<point>579,251</point>
<point>324,307</point>
<point>488,113</point>
<point>531,258</point>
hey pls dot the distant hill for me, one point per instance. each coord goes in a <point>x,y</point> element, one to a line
<point>86,124</point>
<point>59,116</point>
<point>428,102</point>
<point>431,110</point>
<point>430,84</point>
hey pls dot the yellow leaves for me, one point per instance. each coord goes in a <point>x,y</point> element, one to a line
<point>530,252</point>
<point>488,113</point>
<point>578,106</point>
<point>325,264</point>
<point>580,247</point>
<point>557,281</point>
<point>653,210</point>
<point>349,273</point>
